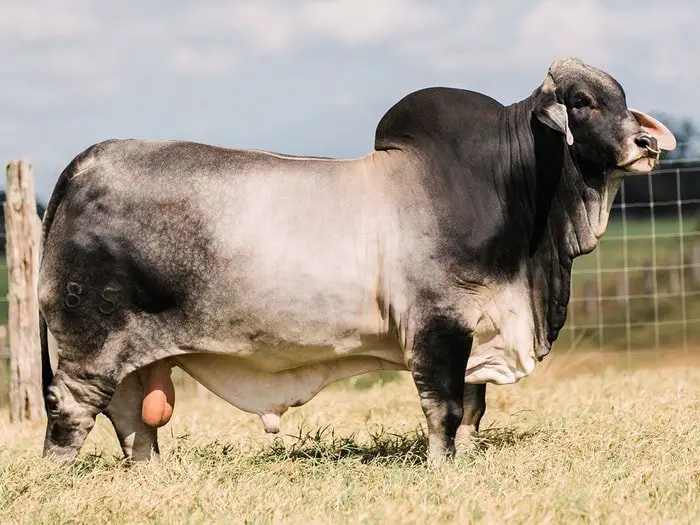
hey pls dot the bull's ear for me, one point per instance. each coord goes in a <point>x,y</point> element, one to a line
<point>555,116</point>
<point>664,137</point>
<point>550,112</point>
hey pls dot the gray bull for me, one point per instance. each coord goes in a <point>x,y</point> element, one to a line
<point>446,251</point>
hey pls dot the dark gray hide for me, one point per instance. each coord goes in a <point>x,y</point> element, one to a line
<point>266,277</point>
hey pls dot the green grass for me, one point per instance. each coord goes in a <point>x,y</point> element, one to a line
<point>606,444</point>
<point>639,251</point>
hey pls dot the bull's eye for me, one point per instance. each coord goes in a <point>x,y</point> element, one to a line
<point>581,102</point>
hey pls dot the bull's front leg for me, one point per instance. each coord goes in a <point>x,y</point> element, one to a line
<point>441,350</point>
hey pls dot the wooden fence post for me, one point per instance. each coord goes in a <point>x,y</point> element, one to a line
<point>23,234</point>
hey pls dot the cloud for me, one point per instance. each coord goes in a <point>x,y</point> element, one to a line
<point>271,27</point>
<point>46,20</point>
<point>201,61</point>
<point>54,51</point>
<point>475,38</point>
<point>365,21</point>
<point>605,33</point>
<point>505,36</point>
<point>44,79</point>
<point>262,26</point>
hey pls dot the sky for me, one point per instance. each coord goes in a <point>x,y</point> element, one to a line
<point>306,77</point>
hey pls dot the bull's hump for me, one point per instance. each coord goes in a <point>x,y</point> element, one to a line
<point>432,115</point>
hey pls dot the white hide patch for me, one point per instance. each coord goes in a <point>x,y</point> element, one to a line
<point>608,193</point>
<point>503,351</point>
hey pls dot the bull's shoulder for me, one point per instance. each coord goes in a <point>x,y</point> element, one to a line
<point>435,114</point>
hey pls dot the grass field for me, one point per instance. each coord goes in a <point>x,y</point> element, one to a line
<point>639,250</point>
<point>670,307</point>
<point>583,440</point>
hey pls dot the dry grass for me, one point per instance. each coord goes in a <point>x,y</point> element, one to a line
<point>607,445</point>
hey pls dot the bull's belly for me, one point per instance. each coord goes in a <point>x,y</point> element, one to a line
<point>269,394</point>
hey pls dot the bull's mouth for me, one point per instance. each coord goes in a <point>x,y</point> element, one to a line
<point>643,148</point>
<point>642,164</point>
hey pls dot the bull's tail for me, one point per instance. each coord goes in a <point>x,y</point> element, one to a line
<point>46,371</point>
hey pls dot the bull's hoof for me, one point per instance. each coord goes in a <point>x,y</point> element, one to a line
<point>465,438</point>
<point>63,455</point>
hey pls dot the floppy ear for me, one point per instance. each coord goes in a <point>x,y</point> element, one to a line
<point>551,113</point>
<point>664,138</point>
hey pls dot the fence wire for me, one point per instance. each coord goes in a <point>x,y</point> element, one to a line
<point>639,289</point>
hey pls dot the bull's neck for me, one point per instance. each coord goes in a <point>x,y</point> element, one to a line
<point>564,205</point>
<point>558,196</point>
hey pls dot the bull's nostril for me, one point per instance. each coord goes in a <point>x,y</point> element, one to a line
<point>646,141</point>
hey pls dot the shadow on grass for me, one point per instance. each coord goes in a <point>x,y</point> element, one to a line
<point>86,464</point>
<point>323,445</point>
<point>498,438</point>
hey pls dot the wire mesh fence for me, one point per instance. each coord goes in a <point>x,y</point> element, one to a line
<point>639,289</point>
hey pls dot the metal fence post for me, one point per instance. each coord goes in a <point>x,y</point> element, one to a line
<point>23,234</point>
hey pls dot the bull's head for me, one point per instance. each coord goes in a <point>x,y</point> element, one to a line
<point>589,108</point>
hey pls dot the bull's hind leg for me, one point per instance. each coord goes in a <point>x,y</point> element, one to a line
<point>441,350</point>
<point>73,401</point>
<point>136,404</point>
<point>138,440</point>
<point>474,408</point>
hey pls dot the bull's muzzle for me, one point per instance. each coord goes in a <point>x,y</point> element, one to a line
<point>649,143</point>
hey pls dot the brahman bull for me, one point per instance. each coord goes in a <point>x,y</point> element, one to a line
<point>446,251</point>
